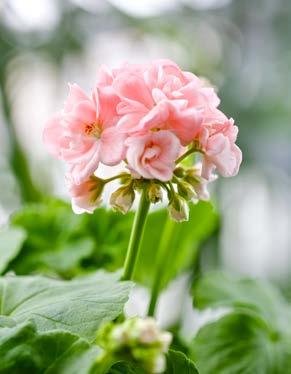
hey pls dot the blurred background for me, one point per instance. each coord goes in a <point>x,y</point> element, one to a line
<point>242,46</point>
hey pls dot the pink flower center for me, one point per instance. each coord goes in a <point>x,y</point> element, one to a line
<point>93,129</point>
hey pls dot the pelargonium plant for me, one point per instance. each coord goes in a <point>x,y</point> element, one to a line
<point>148,118</point>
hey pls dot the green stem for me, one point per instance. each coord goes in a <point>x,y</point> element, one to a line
<point>103,363</point>
<point>107,180</point>
<point>186,154</point>
<point>136,235</point>
<point>161,266</point>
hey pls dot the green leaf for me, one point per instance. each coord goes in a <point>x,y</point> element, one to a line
<point>241,343</point>
<point>11,240</point>
<point>80,358</point>
<point>224,290</point>
<point>126,368</point>
<point>178,362</point>
<point>255,335</point>
<point>24,350</point>
<point>61,242</point>
<point>79,306</point>
<point>185,240</point>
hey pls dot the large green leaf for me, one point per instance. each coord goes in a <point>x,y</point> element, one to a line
<point>77,306</point>
<point>255,334</point>
<point>184,241</point>
<point>24,350</point>
<point>11,240</point>
<point>241,343</point>
<point>221,289</point>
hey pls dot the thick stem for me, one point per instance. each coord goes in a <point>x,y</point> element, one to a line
<point>103,363</point>
<point>136,235</point>
<point>163,254</point>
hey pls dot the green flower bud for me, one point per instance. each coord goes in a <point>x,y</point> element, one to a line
<point>179,172</point>
<point>178,209</point>
<point>122,199</point>
<point>186,191</point>
<point>155,193</point>
<point>139,338</point>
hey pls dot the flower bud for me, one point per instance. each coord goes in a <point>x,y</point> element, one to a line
<point>122,199</point>
<point>87,196</point>
<point>179,172</point>
<point>186,190</point>
<point>178,209</point>
<point>199,183</point>
<point>139,338</point>
<point>155,193</point>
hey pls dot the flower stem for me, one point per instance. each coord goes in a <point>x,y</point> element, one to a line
<point>122,175</point>
<point>186,154</point>
<point>161,265</point>
<point>136,235</point>
<point>104,363</point>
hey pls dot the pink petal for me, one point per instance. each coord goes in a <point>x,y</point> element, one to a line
<point>86,165</point>
<point>85,112</point>
<point>108,101</point>
<point>76,94</point>
<point>104,76</point>
<point>133,87</point>
<point>112,146</point>
<point>52,135</point>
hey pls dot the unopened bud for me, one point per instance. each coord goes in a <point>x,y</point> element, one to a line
<point>178,209</point>
<point>186,190</point>
<point>179,172</point>
<point>155,193</point>
<point>199,184</point>
<point>86,196</point>
<point>122,199</point>
<point>140,339</point>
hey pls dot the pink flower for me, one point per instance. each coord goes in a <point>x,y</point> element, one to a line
<point>153,155</point>
<point>143,114</point>
<point>84,133</point>
<point>151,99</point>
<point>86,197</point>
<point>220,150</point>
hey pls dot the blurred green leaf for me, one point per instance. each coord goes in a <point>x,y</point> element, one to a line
<point>241,343</point>
<point>185,239</point>
<point>126,368</point>
<point>11,240</point>
<point>24,350</point>
<point>177,363</point>
<point>79,306</point>
<point>255,334</point>
<point>61,242</point>
<point>219,289</point>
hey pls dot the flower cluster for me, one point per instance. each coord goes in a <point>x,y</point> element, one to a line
<point>150,116</point>
<point>138,339</point>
